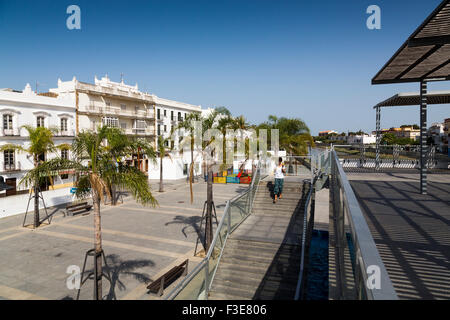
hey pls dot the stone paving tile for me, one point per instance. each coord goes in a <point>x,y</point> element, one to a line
<point>34,262</point>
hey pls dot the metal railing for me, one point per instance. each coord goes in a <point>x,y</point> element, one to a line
<point>320,163</point>
<point>354,244</point>
<point>8,167</point>
<point>389,156</point>
<point>297,165</point>
<point>198,282</point>
<point>308,226</point>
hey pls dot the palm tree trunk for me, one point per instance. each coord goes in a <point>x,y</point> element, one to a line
<point>112,191</point>
<point>191,172</point>
<point>98,246</point>
<point>161,187</point>
<point>36,204</point>
<point>208,224</point>
<point>192,162</point>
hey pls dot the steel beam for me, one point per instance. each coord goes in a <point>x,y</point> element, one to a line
<point>423,137</point>
<point>377,151</point>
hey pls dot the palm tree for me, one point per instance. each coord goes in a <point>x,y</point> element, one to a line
<point>163,151</point>
<point>41,143</point>
<point>119,146</point>
<point>241,124</point>
<point>294,134</point>
<point>209,123</point>
<point>188,125</point>
<point>223,124</point>
<point>94,168</point>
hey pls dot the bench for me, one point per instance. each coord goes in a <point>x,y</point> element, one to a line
<point>72,209</point>
<point>170,276</point>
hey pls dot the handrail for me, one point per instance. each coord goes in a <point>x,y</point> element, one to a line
<point>365,250</point>
<point>204,264</point>
<point>306,223</point>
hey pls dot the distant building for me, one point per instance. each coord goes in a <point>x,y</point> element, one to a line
<point>326,133</point>
<point>439,136</point>
<point>406,132</point>
<point>362,139</point>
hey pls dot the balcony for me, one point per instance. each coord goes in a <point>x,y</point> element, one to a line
<point>149,131</point>
<point>10,132</point>
<point>10,167</point>
<point>66,133</point>
<point>114,92</point>
<point>97,109</point>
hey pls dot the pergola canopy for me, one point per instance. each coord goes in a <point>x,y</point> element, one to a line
<point>426,53</point>
<point>413,98</point>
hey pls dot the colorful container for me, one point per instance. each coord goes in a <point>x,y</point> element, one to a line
<point>221,180</point>
<point>233,179</point>
<point>224,173</point>
<point>245,180</point>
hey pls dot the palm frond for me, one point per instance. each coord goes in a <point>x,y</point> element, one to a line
<point>137,182</point>
<point>14,147</point>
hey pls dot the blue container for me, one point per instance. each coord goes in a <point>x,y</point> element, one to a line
<point>232,179</point>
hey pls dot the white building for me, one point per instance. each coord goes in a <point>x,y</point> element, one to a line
<point>19,108</point>
<point>169,115</point>
<point>438,135</point>
<point>362,139</point>
<point>138,113</point>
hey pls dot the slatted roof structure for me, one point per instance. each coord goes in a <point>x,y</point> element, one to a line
<point>426,53</point>
<point>413,99</point>
<point>424,57</point>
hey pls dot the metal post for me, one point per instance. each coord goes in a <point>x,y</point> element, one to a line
<point>423,137</point>
<point>377,156</point>
<point>207,279</point>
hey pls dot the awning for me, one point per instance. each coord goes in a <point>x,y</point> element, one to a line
<point>426,53</point>
<point>413,98</point>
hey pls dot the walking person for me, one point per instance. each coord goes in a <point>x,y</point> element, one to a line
<point>280,170</point>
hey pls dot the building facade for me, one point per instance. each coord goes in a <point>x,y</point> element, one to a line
<point>137,113</point>
<point>20,108</point>
<point>362,139</point>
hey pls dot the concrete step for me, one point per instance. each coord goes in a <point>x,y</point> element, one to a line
<point>268,292</point>
<point>260,261</point>
<point>224,296</point>
<point>237,281</point>
<point>268,199</point>
<point>280,205</point>
<point>236,258</point>
<point>276,211</point>
<point>252,253</point>
<point>273,271</point>
<point>255,279</point>
<point>243,293</point>
<point>253,244</point>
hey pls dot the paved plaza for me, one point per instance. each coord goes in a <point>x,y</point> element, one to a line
<point>411,230</point>
<point>140,244</point>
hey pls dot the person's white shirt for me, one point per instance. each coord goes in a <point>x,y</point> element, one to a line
<point>279,172</point>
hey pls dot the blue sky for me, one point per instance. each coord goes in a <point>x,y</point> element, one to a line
<point>308,59</point>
